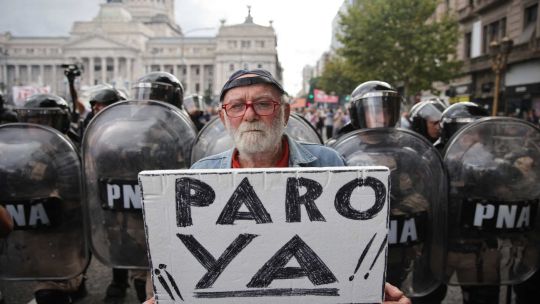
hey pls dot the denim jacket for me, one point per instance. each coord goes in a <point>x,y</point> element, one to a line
<point>300,155</point>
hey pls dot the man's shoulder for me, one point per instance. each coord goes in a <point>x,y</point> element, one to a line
<point>213,161</point>
<point>325,156</point>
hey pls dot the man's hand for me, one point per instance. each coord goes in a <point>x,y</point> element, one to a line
<point>6,223</point>
<point>150,301</point>
<point>393,295</point>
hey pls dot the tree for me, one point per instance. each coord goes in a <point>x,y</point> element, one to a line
<point>400,42</point>
<point>337,77</point>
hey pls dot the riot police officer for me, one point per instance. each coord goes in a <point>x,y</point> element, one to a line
<point>61,178</point>
<point>46,109</point>
<point>161,86</point>
<point>456,117</point>
<point>149,132</point>
<point>374,104</point>
<point>373,139</point>
<point>425,117</point>
<point>6,225</point>
<point>101,99</point>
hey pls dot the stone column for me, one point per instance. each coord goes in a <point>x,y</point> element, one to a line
<point>201,79</point>
<point>42,74</point>
<point>91,68</point>
<point>188,79</point>
<point>54,80</point>
<point>175,70</point>
<point>103,69</point>
<point>115,70</point>
<point>128,71</point>
<point>28,74</point>
<point>17,74</point>
<point>162,68</point>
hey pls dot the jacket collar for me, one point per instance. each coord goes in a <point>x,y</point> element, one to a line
<point>298,155</point>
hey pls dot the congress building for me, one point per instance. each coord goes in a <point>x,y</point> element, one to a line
<point>129,38</point>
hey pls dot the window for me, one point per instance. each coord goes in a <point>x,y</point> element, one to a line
<point>494,31</point>
<point>530,16</point>
<point>231,44</point>
<point>197,87</point>
<point>231,67</point>
<point>30,51</point>
<point>259,43</point>
<point>467,46</point>
<point>246,44</point>
<point>197,71</point>
<point>259,66</point>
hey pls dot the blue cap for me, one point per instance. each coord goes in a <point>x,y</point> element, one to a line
<point>263,76</point>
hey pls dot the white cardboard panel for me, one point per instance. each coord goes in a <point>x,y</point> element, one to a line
<point>337,257</point>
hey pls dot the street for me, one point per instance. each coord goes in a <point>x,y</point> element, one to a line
<point>99,277</point>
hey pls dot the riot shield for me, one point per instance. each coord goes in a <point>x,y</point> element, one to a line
<point>493,167</point>
<point>214,139</point>
<point>417,232</point>
<point>40,182</point>
<point>122,140</point>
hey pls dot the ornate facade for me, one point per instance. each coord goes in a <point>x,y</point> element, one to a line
<point>129,38</point>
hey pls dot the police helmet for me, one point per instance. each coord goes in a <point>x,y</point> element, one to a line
<point>374,104</point>
<point>457,116</point>
<point>46,109</point>
<point>425,113</point>
<point>160,86</point>
<point>106,96</point>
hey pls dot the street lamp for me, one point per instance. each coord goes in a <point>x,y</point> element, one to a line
<point>499,56</point>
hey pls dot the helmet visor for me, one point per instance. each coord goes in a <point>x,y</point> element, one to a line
<point>380,111</point>
<point>52,117</point>
<point>431,112</point>
<point>157,91</point>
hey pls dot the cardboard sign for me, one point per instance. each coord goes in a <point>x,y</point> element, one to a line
<point>287,235</point>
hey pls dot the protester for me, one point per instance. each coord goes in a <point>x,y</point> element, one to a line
<point>255,115</point>
<point>329,123</point>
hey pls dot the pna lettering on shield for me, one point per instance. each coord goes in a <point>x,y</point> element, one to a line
<point>192,193</point>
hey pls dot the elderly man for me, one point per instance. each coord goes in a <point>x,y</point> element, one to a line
<point>255,113</point>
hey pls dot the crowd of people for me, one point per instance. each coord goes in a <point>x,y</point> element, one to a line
<point>327,121</point>
<point>254,110</point>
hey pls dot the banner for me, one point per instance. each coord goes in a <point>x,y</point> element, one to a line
<point>21,93</point>
<point>287,235</point>
<point>321,96</point>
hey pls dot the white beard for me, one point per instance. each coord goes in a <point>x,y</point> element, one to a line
<point>255,137</point>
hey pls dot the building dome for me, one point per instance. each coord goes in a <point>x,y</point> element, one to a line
<point>113,12</point>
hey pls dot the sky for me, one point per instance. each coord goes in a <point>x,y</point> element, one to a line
<point>303,27</point>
